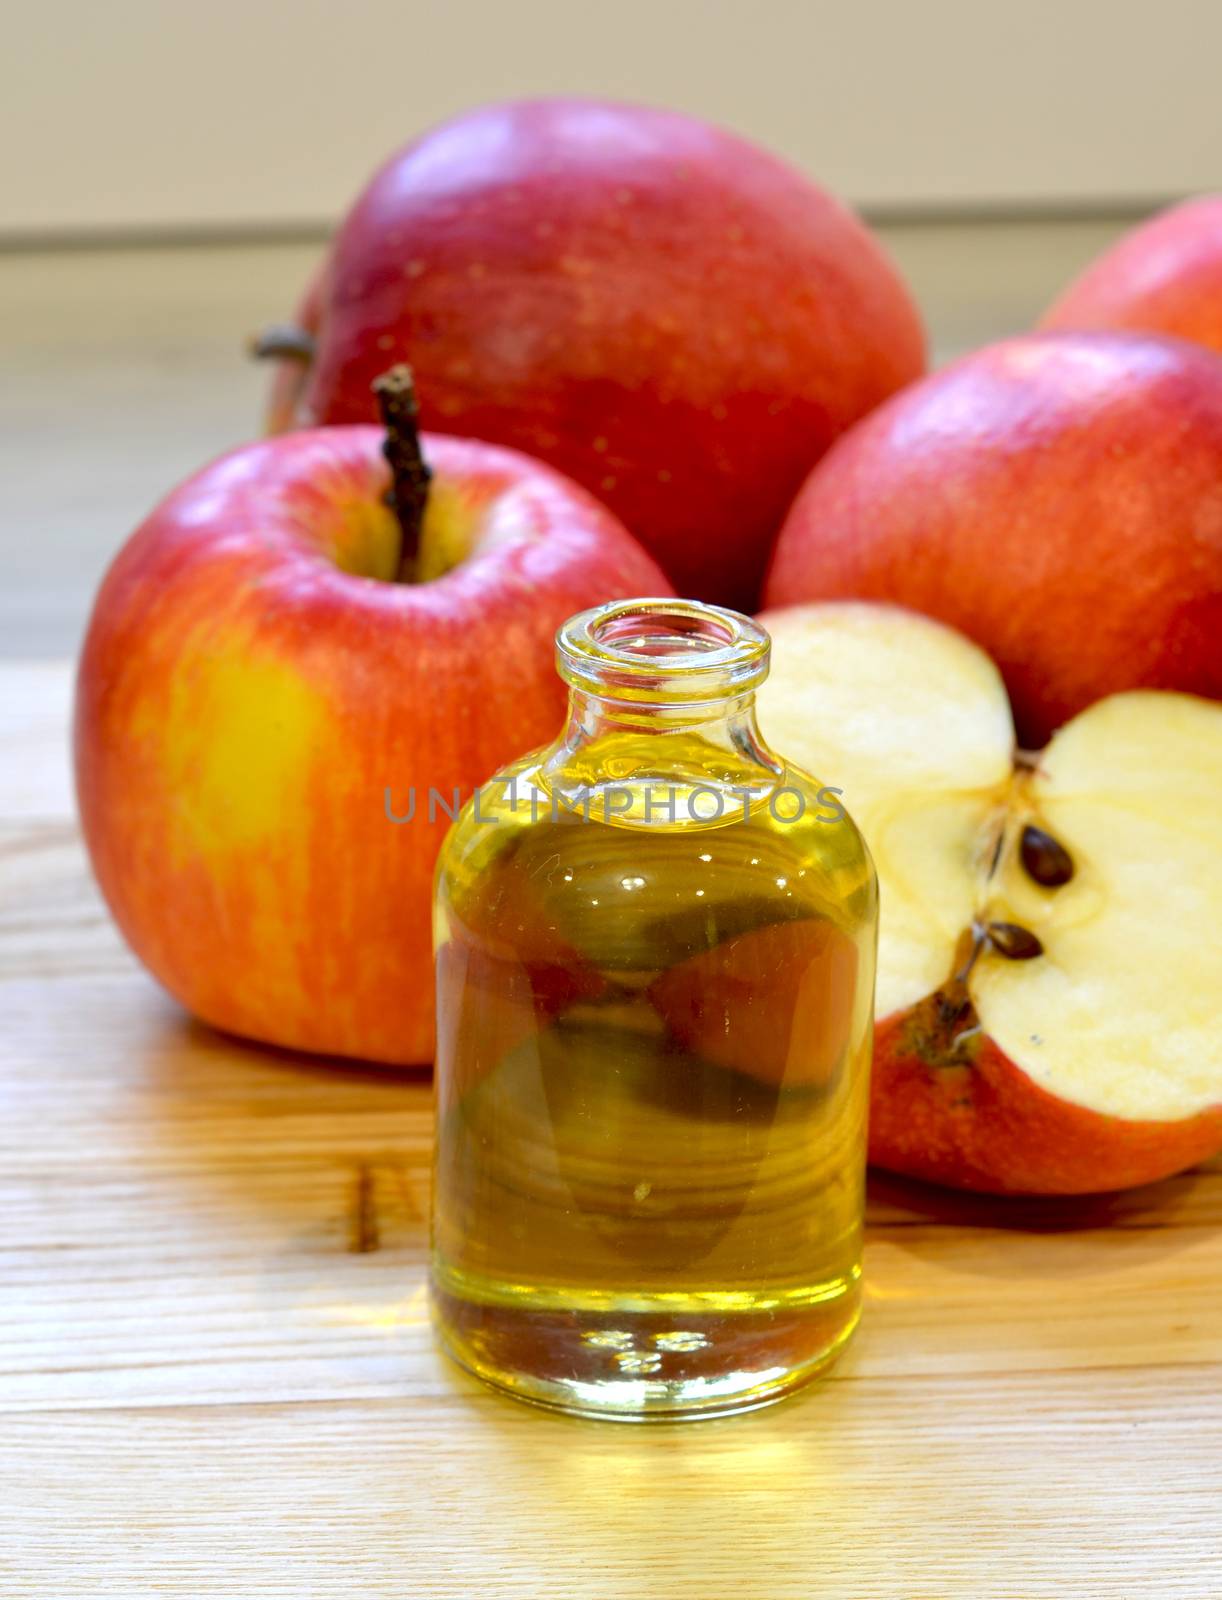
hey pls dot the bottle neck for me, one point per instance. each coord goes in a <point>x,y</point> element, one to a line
<point>661,705</point>
<point>647,760</point>
<point>728,721</point>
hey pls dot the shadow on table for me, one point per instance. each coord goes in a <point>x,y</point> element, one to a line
<point>1189,1197</point>
<point>1126,1241</point>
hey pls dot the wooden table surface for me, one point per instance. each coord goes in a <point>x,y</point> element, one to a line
<point>218,1378</point>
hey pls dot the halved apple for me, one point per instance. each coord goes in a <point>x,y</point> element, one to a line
<point>1050,968</point>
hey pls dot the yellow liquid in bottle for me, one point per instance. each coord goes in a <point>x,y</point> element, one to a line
<point>652,1078</point>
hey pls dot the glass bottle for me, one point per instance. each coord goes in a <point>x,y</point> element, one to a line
<point>655,970</point>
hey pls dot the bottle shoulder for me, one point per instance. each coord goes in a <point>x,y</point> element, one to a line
<point>817,804</point>
<point>796,849</point>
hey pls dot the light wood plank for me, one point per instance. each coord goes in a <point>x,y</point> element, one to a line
<point>217,1374</point>
<point>230,1179</point>
<point>1091,1486</point>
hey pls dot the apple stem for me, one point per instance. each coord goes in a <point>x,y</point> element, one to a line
<point>944,1029</point>
<point>284,341</point>
<point>410,473</point>
<point>967,952</point>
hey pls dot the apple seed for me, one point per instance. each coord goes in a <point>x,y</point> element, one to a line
<point>1045,858</point>
<point>1013,941</point>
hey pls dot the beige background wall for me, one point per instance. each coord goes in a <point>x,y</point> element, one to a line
<point>216,113</point>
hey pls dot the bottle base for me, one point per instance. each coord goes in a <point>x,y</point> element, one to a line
<point>646,1366</point>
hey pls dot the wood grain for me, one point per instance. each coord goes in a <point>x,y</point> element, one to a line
<point>217,1376</point>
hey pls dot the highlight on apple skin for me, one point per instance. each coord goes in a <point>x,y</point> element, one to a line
<point>1163,277</point>
<point>1056,497</point>
<point>1049,961</point>
<point>253,681</point>
<point>673,317</point>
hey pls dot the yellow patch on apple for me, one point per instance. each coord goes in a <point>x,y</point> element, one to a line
<point>240,742</point>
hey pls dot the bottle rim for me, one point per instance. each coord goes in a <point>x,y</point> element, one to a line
<point>660,649</point>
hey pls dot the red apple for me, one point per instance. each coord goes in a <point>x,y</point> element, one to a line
<point>491,1003</point>
<point>1057,497</point>
<point>1049,962</point>
<point>504,970</point>
<point>255,679</point>
<point>722,1004</point>
<point>1164,277</point>
<point>674,318</point>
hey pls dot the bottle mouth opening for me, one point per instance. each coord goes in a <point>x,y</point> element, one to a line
<point>662,650</point>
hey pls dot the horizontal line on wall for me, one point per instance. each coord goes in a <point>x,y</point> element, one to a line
<point>1087,208</point>
<point>141,237</point>
<point>887,215</point>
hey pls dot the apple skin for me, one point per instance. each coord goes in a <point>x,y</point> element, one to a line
<point>251,685</point>
<point>1163,277</point>
<point>984,1124</point>
<point>1056,497</point>
<point>674,318</point>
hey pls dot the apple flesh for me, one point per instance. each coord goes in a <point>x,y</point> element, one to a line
<point>674,318</point>
<point>255,680</point>
<point>1049,962</point>
<point>1163,277</point>
<point>1058,498</point>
